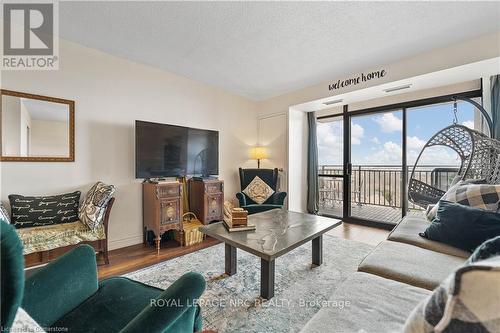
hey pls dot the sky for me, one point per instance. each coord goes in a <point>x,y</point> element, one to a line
<point>377,138</point>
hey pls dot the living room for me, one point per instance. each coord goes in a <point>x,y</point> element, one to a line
<point>331,131</point>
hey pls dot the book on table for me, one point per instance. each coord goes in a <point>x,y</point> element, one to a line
<point>232,228</point>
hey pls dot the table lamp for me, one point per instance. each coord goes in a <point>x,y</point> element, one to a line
<point>258,153</point>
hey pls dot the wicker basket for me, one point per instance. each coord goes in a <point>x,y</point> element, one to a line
<point>191,233</point>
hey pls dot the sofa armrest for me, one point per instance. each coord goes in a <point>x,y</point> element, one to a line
<point>278,198</point>
<point>174,310</point>
<point>241,198</point>
<point>61,285</point>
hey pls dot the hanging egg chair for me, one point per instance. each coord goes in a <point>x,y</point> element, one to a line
<point>479,159</point>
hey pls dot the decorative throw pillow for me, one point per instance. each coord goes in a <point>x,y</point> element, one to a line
<point>467,301</point>
<point>24,323</point>
<point>488,249</point>
<point>258,190</point>
<point>4,214</point>
<point>94,206</point>
<point>462,226</point>
<point>38,211</point>
<point>470,193</point>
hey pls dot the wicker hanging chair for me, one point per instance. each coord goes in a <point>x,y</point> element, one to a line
<point>479,155</point>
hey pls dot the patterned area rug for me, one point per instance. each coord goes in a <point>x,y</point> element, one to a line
<point>232,304</point>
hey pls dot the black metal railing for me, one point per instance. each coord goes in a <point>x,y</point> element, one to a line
<point>378,185</point>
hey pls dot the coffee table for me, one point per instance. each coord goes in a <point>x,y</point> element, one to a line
<point>277,233</point>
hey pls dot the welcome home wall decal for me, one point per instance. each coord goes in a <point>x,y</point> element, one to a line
<point>363,77</point>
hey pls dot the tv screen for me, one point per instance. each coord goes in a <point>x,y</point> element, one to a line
<point>202,152</point>
<point>169,151</point>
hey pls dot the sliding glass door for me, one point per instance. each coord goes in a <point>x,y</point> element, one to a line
<point>376,169</point>
<point>366,156</point>
<point>330,133</point>
<point>438,165</point>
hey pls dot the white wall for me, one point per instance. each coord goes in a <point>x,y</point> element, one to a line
<point>297,160</point>
<point>273,131</point>
<point>272,135</point>
<point>49,138</point>
<point>405,97</point>
<point>110,94</point>
<point>416,95</point>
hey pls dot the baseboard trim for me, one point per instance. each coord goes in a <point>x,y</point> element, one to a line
<point>124,242</point>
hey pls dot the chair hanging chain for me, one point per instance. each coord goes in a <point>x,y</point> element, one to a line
<point>455,112</point>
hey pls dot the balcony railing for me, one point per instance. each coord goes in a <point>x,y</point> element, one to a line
<point>378,185</point>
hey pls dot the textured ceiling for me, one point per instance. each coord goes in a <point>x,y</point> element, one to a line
<point>264,49</point>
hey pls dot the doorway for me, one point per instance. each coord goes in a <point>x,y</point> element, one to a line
<point>365,156</point>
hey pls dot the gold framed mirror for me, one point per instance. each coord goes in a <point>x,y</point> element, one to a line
<point>36,128</point>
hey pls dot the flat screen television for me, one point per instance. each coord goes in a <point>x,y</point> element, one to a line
<point>163,150</point>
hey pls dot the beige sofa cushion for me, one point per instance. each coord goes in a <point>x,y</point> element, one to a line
<point>410,264</point>
<point>371,304</point>
<point>407,232</point>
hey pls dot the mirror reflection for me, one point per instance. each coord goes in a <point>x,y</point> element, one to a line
<point>35,128</point>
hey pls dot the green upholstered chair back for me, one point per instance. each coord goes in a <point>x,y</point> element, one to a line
<point>11,273</point>
<point>269,176</point>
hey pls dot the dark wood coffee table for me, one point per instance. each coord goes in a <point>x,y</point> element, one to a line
<point>278,232</point>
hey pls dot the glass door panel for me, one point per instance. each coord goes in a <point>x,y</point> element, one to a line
<point>376,167</point>
<point>438,165</point>
<point>330,136</point>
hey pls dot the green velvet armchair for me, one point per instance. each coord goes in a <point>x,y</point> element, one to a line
<point>270,177</point>
<point>66,295</point>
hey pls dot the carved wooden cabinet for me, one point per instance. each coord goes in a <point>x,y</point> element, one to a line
<point>162,209</point>
<point>206,199</point>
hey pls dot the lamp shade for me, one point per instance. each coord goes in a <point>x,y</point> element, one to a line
<point>258,153</point>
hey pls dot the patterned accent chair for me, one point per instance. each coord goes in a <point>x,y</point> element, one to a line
<point>270,177</point>
<point>67,294</point>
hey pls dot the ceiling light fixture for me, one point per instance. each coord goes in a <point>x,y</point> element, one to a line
<point>406,86</point>
<point>333,102</point>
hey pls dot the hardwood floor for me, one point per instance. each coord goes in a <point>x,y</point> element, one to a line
<point>138,256</point>
<point>360,233</point>
<point>134,257</point>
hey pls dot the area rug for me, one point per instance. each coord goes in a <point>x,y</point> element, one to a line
<point>232,303</point>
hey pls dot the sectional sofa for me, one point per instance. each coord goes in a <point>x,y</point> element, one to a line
<point>399,273</point>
